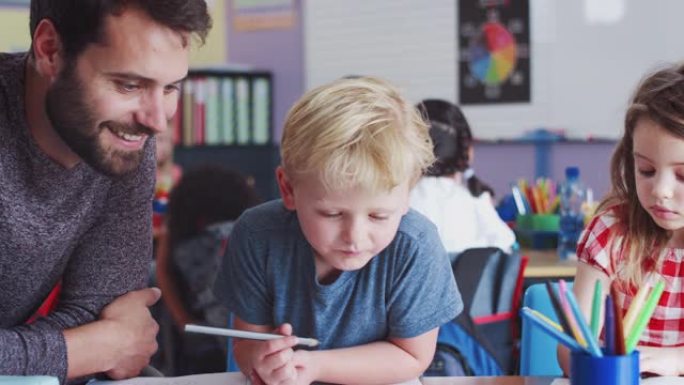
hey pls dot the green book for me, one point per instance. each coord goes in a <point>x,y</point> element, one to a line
<point>243,113</point>
<point>228,122</point>
<point>260,111</point>
<point>213,112</point>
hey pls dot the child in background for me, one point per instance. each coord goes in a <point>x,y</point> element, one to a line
<point>202,209</point>
<point>449,193</point>
<point>639,228</point>
<point>341,258</point>
<point>168,174</point>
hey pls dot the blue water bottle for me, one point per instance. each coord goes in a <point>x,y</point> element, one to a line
<point>571,192</point>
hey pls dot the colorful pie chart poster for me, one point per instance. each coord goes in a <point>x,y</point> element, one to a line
<point>494,51</point>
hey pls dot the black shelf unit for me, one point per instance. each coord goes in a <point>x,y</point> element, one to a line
<point>245,135</point>
<point>256,161</point>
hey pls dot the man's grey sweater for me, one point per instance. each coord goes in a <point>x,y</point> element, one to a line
<point>76,225</point>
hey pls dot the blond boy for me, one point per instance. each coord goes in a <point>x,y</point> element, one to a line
<point>341,258</point>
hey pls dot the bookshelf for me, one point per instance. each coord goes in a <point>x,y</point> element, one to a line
<point>257,161</point>
<point>226,117</point>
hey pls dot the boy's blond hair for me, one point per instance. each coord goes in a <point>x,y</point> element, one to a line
<point>356,132</point>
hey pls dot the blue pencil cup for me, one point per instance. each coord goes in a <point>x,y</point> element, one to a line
<point>586,369</point>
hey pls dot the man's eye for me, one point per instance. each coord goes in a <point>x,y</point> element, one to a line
<point>171,88</point>
<point>128,87</point>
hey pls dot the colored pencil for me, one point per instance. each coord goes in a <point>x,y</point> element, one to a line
<point>584,328</point>
<point>619,330</point>
<point>517,198</point>
<point>555,302</point>
<point>643,317</point>
<point>550,329</point>
<point>609,327</point>
<point>635,307</point>
<point>596,309</point>
<point>548,320</point>
<point>562,294</point>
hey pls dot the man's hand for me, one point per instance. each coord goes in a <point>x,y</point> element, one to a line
<point>133,332</point>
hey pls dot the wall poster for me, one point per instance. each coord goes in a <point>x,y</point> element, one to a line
<point>494,51</point>
<point>14,25</point>
<point>252,15</point>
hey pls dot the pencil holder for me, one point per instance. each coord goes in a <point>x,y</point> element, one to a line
<point>537,231</point>
<point>586,369</point>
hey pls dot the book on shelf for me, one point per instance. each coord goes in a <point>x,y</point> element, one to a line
<point>224,108</point>
<point>260,113</point>
<point>213,112</point>
<point>227,110</point>
<point>243,115</point>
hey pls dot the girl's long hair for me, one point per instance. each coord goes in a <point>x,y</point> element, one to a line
<point>660,98</point>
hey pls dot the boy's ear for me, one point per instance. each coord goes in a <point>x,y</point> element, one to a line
<point>47,49</point>
<point>285,187</point>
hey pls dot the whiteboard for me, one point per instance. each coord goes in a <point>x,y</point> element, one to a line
<point>583,72</point>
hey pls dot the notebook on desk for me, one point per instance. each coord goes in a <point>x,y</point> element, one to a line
<point>28,380</point>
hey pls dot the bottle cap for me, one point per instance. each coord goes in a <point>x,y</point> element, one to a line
<point>572,172</point>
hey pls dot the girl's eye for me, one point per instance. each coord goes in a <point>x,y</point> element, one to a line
<point>646,172</point>
<point>331,215</point>
<point>379,217</point>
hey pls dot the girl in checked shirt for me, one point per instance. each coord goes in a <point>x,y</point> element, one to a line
<point>639,229</point>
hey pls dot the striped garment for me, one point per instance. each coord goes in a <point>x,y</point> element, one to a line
<point>666,327</point>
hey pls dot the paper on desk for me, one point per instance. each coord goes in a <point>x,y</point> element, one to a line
<point>28,380</point>
<point>225,378</point>
<point>647,381</point>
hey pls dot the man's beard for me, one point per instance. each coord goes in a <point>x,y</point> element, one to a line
<point>73,119</point>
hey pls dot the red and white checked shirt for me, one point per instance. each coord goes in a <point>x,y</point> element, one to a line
<point>666,327</point>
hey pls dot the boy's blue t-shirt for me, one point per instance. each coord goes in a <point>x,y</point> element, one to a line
<point>268,277</point>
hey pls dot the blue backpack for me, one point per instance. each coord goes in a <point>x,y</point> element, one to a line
<point>487,279</point>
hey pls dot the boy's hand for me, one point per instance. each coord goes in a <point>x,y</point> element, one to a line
<point>660,361</point>
<point>306,369</point>
<point>272,360</point>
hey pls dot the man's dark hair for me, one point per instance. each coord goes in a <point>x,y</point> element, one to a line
<point>81,22</point>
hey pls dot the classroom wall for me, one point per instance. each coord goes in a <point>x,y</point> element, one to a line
<point>279,51</point>
<point>425,63</point>
<point>582,72</point>
<point>501,163</point>
<point>14,28</point>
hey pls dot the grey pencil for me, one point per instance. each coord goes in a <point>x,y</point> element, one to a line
<point>311,342</point>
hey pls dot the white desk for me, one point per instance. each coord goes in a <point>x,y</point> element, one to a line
<point>506,380</point>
